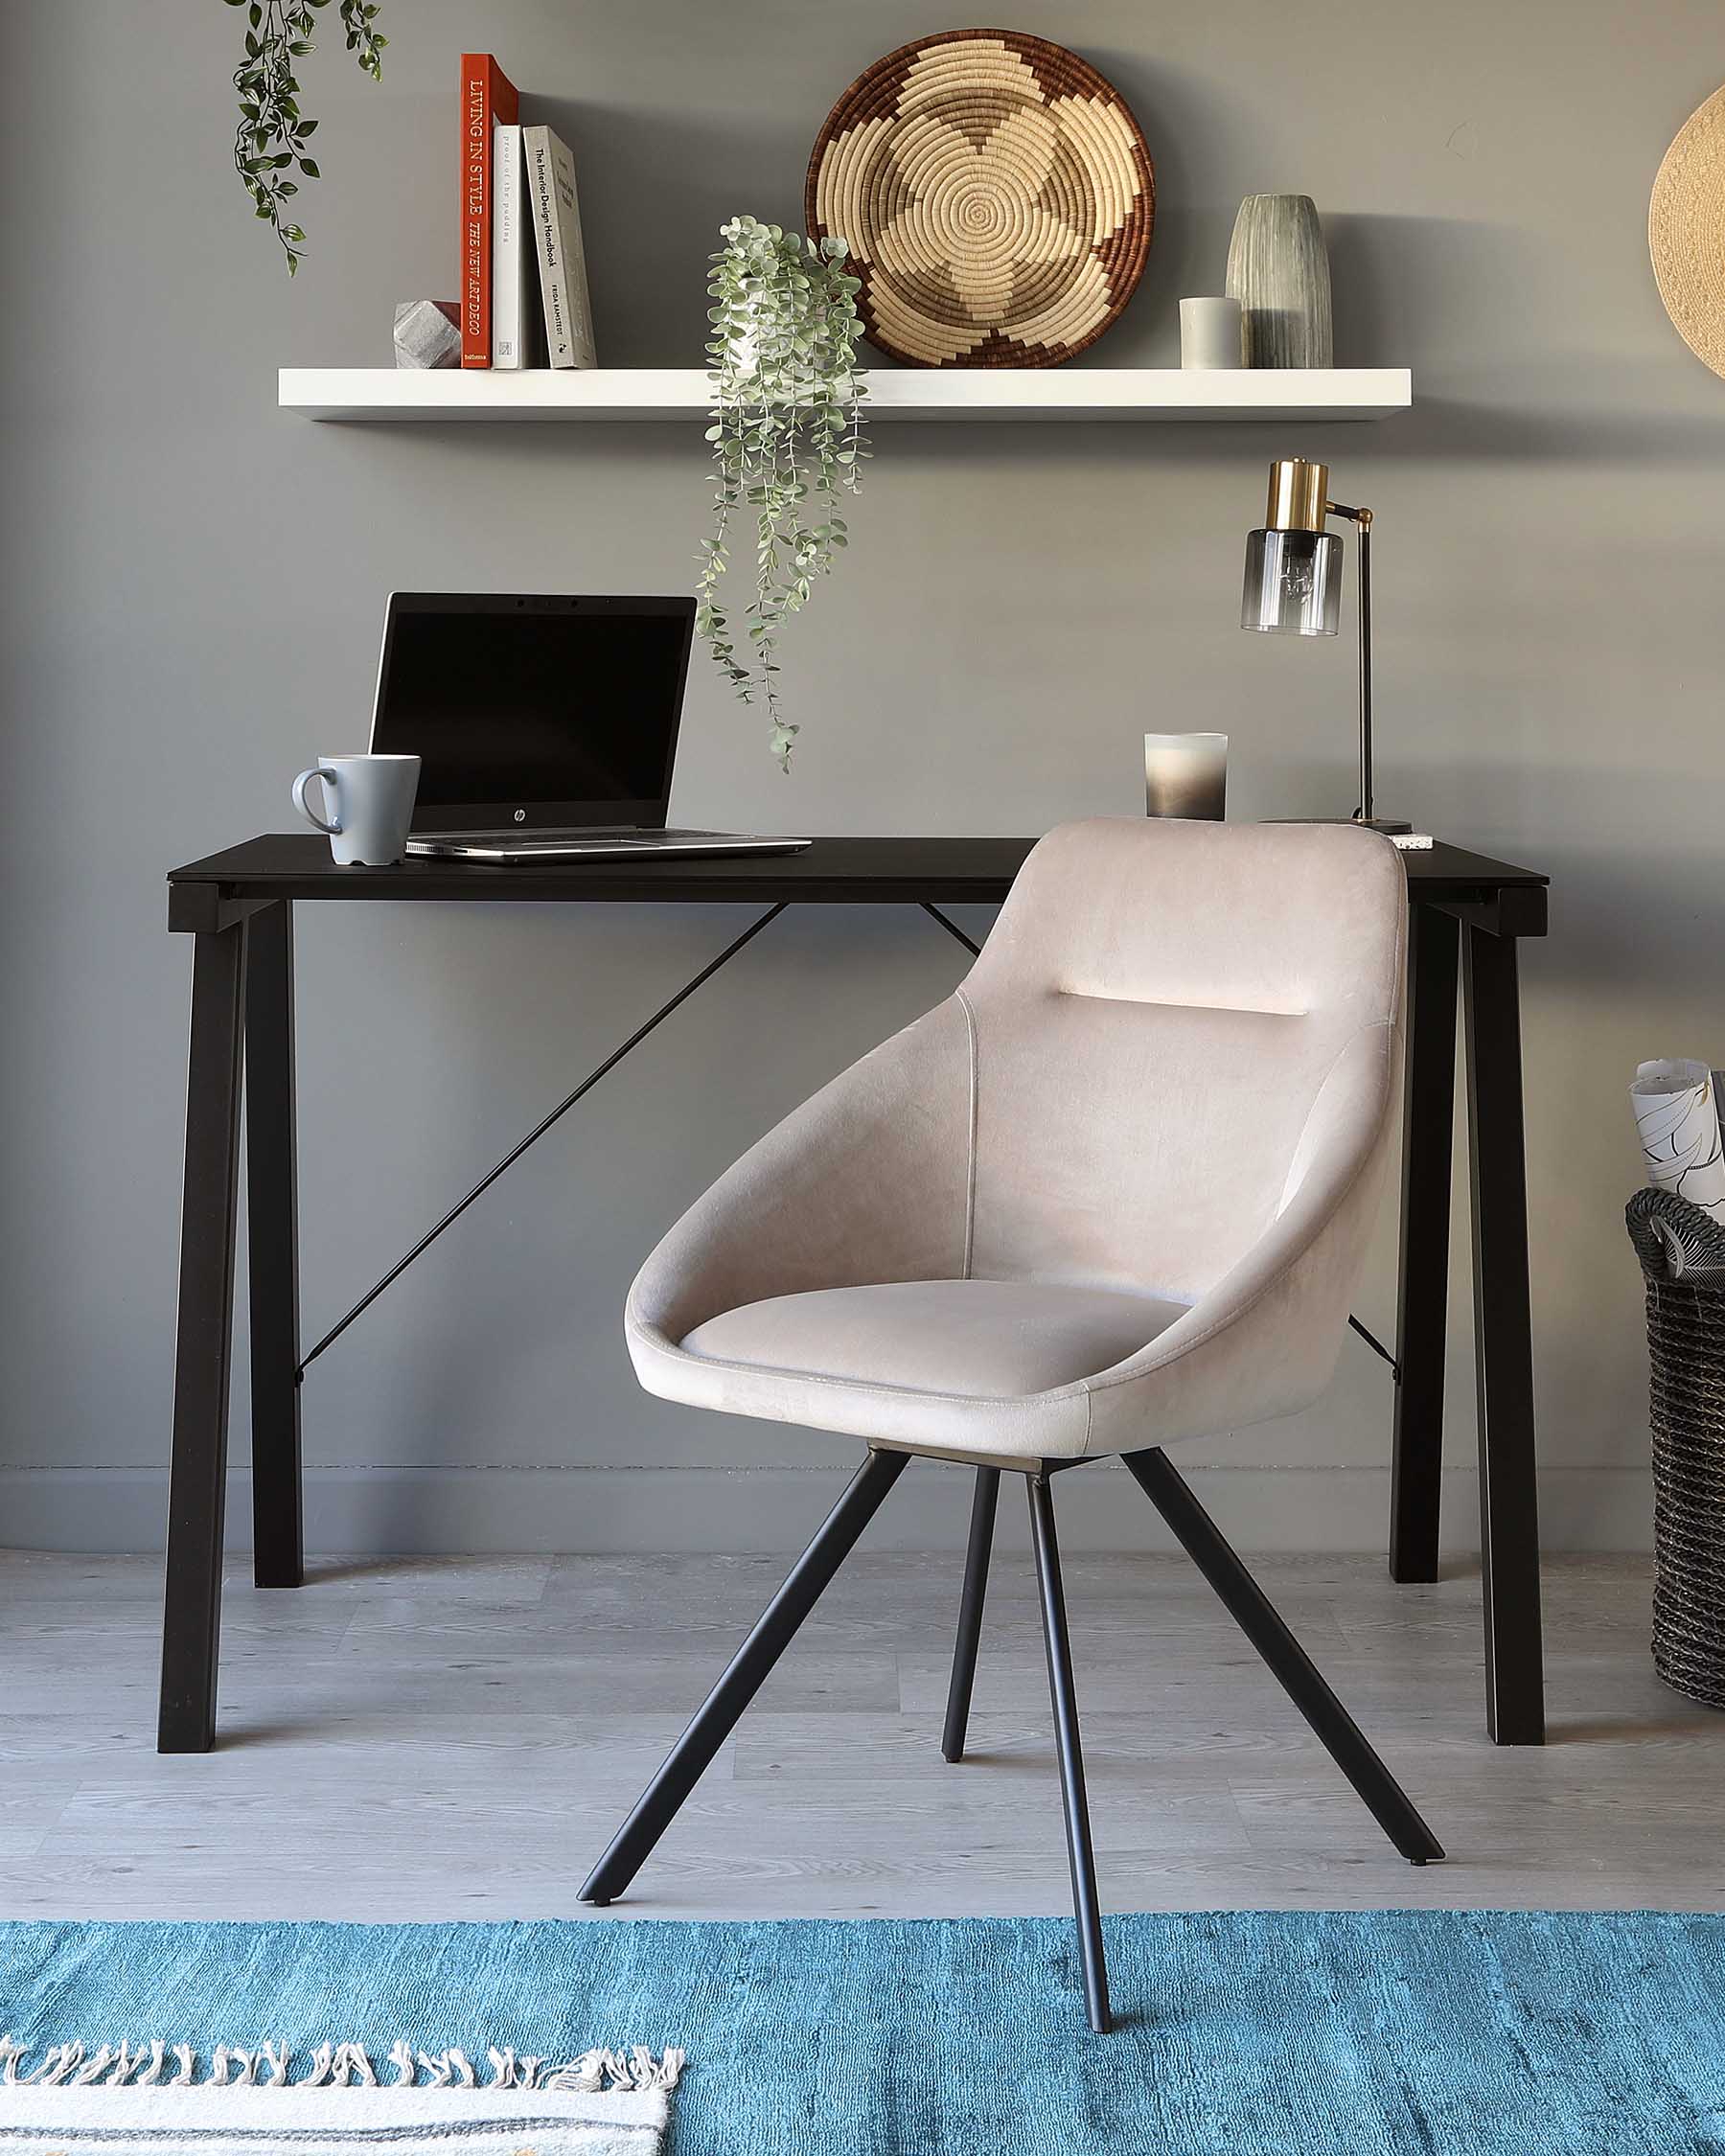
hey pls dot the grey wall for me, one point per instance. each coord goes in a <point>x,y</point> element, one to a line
<point>194,584</point>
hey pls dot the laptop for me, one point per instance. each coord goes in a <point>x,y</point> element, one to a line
<point>545,725</point>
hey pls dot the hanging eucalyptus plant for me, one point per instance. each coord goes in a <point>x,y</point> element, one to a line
<point>787,438</point>
<point>269,143</point>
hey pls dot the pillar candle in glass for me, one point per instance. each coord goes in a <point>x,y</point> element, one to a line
<point>1187,775</point>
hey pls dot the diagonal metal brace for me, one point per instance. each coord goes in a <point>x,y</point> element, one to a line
<point>952,928</point>
<point>539,1131</point>
<point>1377,1347</point>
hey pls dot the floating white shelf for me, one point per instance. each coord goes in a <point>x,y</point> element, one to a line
<point>957,393</point>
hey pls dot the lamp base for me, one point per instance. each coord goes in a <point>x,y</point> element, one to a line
<point>1390,826</point>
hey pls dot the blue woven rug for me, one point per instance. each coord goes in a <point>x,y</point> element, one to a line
<point>1296,2034</point>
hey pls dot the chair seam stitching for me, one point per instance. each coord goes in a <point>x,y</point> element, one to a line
<point>873,1386</point>
<point>970,1169</point>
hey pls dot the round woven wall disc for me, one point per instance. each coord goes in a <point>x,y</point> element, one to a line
<point>1686,232</point>
<point>995,194</point>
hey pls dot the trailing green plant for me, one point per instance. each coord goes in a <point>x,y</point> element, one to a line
<point>269,143</point>
<point>787,439</point>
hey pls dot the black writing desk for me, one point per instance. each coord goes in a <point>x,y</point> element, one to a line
<point>238,906</point>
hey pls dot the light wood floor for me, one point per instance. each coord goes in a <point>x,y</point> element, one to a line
<point>457,1738</point>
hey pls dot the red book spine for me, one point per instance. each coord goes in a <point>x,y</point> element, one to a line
<point>488,96</point>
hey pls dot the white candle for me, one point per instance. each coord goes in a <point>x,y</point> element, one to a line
<point>1210,334</point>
<point>1187,775</point>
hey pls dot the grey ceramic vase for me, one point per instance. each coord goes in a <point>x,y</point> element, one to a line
<point>1279,270</point>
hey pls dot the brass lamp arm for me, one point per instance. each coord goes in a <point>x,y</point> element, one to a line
<point>1361,519</point>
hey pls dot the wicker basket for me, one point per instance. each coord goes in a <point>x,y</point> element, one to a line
<point>1682,1251</point>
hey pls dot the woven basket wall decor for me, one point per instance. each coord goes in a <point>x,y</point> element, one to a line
<point>1686,232</point>
<point>996,196</point>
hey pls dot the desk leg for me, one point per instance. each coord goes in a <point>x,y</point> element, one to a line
<point>271,1205</point>
<point>1503,1342</point>
<point>192,1616</point>
<point>1422,1307</point>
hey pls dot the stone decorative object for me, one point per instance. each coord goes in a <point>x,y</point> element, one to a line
<point>1685,220</point>
<point>1212,337</point>
<point>1279,270</point>
<point>428,333</point>
<point>995,194</point>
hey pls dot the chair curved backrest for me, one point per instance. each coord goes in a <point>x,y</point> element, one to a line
<point>1151,1022</point>
<point>1178,1036</point>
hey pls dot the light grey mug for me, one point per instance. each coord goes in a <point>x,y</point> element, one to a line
<point>370,804</point>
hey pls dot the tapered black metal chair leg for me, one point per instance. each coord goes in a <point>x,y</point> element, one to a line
<point>694,1751</point>
<point>1086,1906</point>
<point>970,1612</point>
<point>1293,1667</point>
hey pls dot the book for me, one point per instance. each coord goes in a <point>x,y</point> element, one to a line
<point>518,333</point>
<point>488,97</point>
<point>561,264</point>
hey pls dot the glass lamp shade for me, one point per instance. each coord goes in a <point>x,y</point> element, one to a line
<point>1293,584</point>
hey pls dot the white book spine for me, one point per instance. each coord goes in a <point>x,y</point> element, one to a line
<point>561,261</point>
<point>510,251</point>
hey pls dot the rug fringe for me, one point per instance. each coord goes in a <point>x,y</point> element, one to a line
<point>270,2065</point>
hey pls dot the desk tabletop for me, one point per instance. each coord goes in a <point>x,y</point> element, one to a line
<point>207,894</point>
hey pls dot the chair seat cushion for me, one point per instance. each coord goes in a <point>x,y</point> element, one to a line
<point>978,1340</point>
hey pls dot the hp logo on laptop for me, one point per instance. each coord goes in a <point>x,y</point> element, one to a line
<point>520,815</point>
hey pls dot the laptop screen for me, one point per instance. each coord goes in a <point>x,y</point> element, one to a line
<point>533,711</point>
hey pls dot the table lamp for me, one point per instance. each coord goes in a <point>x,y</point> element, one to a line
<point>1294,584</point>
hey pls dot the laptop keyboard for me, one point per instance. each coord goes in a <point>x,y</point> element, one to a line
<point>646,840</point>
<point>622,835</point>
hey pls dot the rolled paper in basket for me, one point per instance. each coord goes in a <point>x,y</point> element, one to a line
<point>1677,1117</point>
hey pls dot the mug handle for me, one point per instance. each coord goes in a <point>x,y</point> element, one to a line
<point>300,783</point>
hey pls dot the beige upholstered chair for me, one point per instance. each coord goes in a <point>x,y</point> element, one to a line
<point>1113,1194</point>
